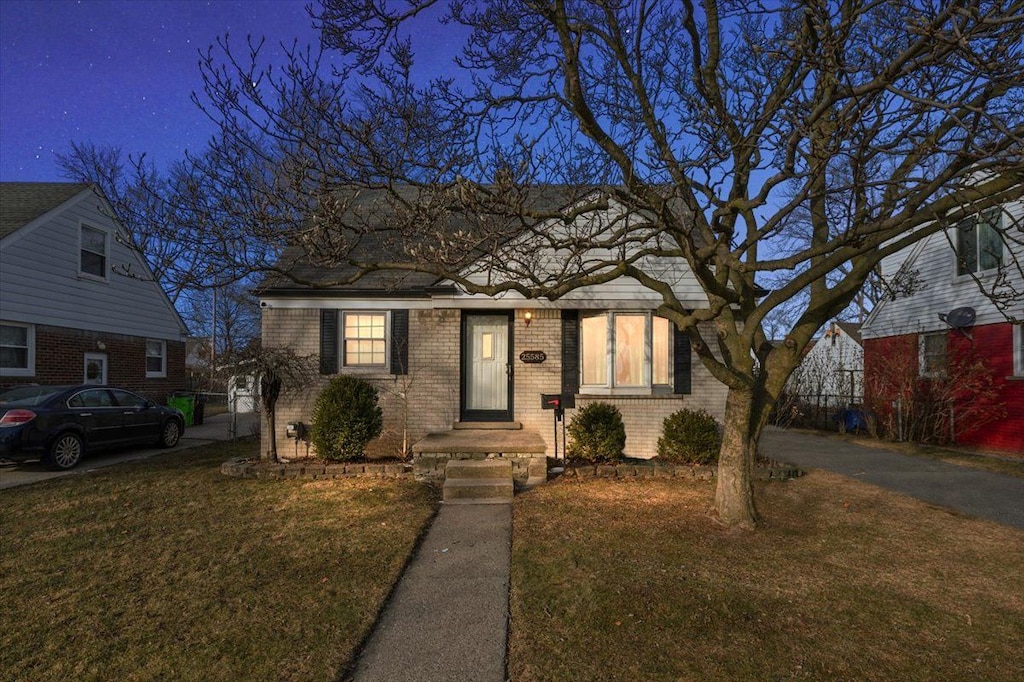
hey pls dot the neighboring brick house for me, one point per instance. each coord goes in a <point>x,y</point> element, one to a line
<point>77,305</point>
<point>912,344</point>
<point>441,357</point>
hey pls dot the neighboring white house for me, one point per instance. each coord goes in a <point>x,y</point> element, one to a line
<point>243,393</point>
<point>832,372</point>
<point>77,304</point>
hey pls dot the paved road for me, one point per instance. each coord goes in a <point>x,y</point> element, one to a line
<point>216,428</point>
<point>982,494</point>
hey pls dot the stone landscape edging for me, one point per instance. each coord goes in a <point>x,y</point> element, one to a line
<point>244,467</point>
<point>658,470</point>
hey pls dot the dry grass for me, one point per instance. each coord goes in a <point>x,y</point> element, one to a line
<point>167,570</point>
<point>619,580</point>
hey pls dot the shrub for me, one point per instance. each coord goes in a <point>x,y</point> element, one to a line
<point>345,418</point>
<point>689,436</point>
<point>597,433</point>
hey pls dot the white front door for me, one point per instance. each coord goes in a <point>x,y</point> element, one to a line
<point>487,368</point>
<point>95,369</point>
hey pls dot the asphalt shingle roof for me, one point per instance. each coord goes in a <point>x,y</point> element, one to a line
<point>23,202</point>
<point>375,209</point>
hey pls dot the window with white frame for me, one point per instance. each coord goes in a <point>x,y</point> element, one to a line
<point>17,349</point>
<point>93,254</point>
<point>979,245</point>
<point>933,354</point>
<point>364,339</point>
<point>1018,350</point>
<point>156,358</point>
<point>630,351</point>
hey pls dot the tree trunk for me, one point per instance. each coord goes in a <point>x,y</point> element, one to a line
<point>271,452</point>
<point>734,495</point>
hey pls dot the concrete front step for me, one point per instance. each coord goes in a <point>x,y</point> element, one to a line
<point>488,426</point>
<point>487,481</point>
<point>497,469</point>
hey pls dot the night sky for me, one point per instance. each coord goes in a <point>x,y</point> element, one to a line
<point>121,72</point>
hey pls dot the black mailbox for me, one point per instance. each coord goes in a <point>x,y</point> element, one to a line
<point>551,401</point>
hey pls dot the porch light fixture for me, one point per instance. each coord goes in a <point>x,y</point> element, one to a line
<point>528,317</point>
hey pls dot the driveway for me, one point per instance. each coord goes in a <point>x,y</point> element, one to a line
<point>216,428</point>
<point>982,494</point>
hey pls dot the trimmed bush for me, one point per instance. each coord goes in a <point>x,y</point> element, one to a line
<point>690,437</point>
<point>345,418</point>
<point>597,433</point>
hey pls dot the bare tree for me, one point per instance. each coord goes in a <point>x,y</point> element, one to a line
<point>143,202</point>
<point>675,132</point>
<point>229,313</point>
<point>278,371</point>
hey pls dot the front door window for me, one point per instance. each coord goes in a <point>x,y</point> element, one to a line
<point>95,369</point>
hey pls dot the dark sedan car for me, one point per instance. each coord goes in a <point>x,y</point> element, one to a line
<point>59,423</point>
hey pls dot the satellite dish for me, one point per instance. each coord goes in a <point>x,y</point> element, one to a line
<point>959,318</point>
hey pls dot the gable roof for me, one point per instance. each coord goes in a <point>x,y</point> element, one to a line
<point>23,202</point>
<point>852,330</point>
<point>375,211</point>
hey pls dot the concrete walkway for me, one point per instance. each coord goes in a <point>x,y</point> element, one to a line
<point>983,494</point>
<point>216,428</point>
<point>448,616</point>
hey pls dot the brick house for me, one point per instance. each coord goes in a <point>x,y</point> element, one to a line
<point>444,359</point>
<point>77,305</point>
<point>914,348</point>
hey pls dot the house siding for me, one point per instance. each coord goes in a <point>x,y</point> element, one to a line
<point>939,290</point>
<point>60,359</point>
<point>426,399</point>
<point>992,344</point>
<point>40,284</point>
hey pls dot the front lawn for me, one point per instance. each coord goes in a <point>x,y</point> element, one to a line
<point>165,569</point>
<point>631,580</point>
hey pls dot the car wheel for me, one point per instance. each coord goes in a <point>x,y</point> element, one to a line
<point>65,451</point>
<point>170,433</point>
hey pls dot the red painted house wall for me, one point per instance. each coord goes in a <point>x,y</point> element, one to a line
<point>891,365</point>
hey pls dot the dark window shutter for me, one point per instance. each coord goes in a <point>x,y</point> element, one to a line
<point>399,341</point>
<point>570,357</point>
<point>328,341</point>
<point>683,362</point>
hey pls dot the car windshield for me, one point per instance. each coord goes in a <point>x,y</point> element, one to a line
<point>28,395</point>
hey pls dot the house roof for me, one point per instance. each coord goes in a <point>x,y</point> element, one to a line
<point>379,229</point>
<point>23,202</point>
<point>852,330</point>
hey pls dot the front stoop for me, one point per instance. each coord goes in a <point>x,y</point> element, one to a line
<point>524,449</point>
<point>486,481</point>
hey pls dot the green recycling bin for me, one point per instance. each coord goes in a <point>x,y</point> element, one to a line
<point>184,403</point>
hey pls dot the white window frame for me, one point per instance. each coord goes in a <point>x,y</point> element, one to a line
<point>82,227</point>
<point>343,363</point>
<point>163,359</point>
<point>922,345</point>
<point>609,387</point>
<point>991,217</point>
<point>1018,351</point>
<point>30,369</point>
